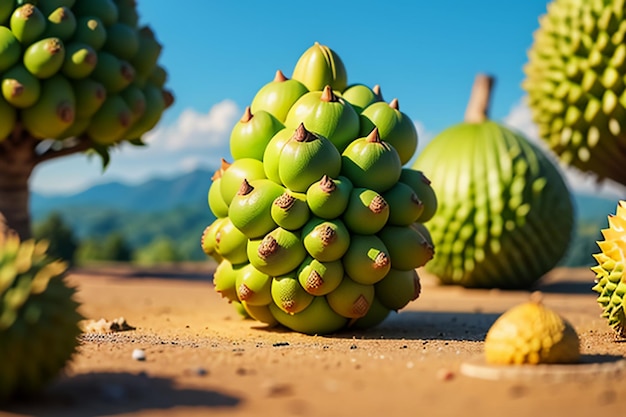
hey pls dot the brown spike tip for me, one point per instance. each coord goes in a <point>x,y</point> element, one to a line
<point>377,205</point>
<point>327,184</point>
<point>280,77</point>
<point>303,135</point>
<point>247,115</point>
<point>245,188</point>
<point>328,95</point>
<point>374,136</point>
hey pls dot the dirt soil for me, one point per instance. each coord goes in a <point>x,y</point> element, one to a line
<point>202,358</point>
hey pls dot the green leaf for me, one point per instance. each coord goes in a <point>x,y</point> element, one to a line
<point>137,142</point>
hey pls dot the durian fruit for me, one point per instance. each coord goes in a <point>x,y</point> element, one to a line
<point>610,278</point>
<point>38,317</point>
<point>575,84</point>
<point>505,215</point>
<point>325,237</point>
<point>529,334</point>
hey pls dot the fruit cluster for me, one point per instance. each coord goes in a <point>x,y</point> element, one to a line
<point>74,67</point>
<point>38,316</point>
<point>319,226</point>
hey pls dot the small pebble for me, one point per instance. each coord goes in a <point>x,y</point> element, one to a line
<point>445,375</point>
<point>139,355</point>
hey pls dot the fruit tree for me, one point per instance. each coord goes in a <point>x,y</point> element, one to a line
<point>75,76</point>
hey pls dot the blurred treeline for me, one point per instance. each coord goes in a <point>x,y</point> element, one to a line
<point>175,237</point>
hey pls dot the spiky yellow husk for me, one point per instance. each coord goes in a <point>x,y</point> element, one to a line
<point>38,317</point>
<point>610,280</point>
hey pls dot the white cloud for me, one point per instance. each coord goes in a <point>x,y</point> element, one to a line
<point>520,119</point>
<point>196,130</point>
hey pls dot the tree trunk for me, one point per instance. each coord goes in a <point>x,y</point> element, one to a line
<point>16,168</point>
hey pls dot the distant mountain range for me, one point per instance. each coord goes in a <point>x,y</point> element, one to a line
<point>177,208</point>
<point>152,196</point>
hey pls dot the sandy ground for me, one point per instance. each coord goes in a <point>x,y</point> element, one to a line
<point>201,358</point>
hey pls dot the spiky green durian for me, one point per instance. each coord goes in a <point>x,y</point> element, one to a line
<point>505,215</point>
<point>610,278</point>
<point>38,317</point>
<point>575,84</point>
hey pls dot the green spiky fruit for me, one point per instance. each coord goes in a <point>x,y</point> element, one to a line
<point>55,110</point>
<point>114,73</point>
<point>306,158</point>
<point>105,10</point>
<point>317,318</point>
<point>394,127</point>
<point>231,243</point>
<point>325,240</point>
<point>329,197</point>
<point>351,299</point>
<point>277,96</point>
<point>251,208</point>
<point>37,307</point>
<point>80,60</point>
<point>320,66</point>
<point>289,295</point>
<point>235,173</point>
<point>91,31</point>
<point>27,23</point>
<point>225,280</point>
<point>214,198</point>
<point>327,237</point>
<point>110,123</point>
<point>320,278</point>
<point>122,40</point>
<point>290,210</point>
<point>367,259</point>
<point>61,23</point>
<point>250,136</point>
<point>574,80</point>
<point>45,57</point>
<point>367,211</point>
<point>505,214</point>
<point>361,96</point>
<point>610,279</point>
<point>398,288</point>
<point>371,163</point>
<point>20,88</point>
<point>327,115</point>
<point>10,48</point>
<point>253,286</point>
<point>89,95</point>
<point>277,253</point>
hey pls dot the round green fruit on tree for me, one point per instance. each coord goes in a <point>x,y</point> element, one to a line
<point>505,214</point>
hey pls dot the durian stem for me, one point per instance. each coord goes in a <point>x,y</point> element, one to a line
<point>477,110</point>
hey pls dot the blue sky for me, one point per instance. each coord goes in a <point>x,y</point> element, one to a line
<point>219,53</point>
